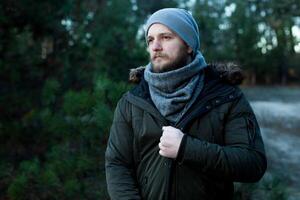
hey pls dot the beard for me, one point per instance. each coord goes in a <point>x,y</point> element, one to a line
<point>180,61</point>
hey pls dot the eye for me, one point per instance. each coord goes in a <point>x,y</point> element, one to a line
<point>167,37</point>
<point>149,40</point>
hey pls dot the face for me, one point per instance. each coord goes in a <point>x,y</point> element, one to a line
<point>167,50</point>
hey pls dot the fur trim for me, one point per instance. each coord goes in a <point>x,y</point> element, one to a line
<point>229,72</point>
<point>135,74</point>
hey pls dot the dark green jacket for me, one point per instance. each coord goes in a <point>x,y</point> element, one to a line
<point>222,144</point>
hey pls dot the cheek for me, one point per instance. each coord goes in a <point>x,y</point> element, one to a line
<point>149,50</point>
<point>173,51</point>
<point>150,53</point>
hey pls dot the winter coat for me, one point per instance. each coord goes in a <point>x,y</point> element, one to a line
<point>222,144</point>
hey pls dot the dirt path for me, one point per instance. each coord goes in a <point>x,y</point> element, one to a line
<point>280,127</point>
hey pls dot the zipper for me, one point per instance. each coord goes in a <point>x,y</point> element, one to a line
<point>201,106</point>
<point>171,164</point>
<point>182,125</point>
<point>151,109</point>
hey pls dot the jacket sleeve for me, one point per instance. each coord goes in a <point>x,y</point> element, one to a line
<point>119,162</point>
<point>241,158</point>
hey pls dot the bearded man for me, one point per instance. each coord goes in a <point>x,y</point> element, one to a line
<point>186,131</point>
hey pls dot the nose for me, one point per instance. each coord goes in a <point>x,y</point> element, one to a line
<point>156,45</point>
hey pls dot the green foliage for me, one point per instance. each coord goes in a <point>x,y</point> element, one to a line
<point>25,181</point>
<point>208,23</point>
<point>49,91</point>
<point>71,166</point>
<point>16,190</point>
<point>77,103</point>
<point>62,70</point>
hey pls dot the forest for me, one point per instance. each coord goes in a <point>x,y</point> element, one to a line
<point>64,65</point>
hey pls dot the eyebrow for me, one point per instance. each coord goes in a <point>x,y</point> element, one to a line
<point>162,34</point>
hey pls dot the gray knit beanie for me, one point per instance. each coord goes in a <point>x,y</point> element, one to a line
<point>180,21</point>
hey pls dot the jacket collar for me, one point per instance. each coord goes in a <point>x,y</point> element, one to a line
<point>227,72</point>
<point>219,87</point>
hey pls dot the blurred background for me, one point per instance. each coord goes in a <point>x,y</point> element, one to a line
<point>64,64</point>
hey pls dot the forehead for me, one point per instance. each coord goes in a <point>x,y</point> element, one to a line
<point>157,28</point>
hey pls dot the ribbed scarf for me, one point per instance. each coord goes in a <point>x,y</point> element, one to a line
<point>173,92</point>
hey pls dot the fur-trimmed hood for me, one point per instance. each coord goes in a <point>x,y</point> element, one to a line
<point>228,72</point>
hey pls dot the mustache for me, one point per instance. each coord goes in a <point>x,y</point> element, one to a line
<point>156,55</point>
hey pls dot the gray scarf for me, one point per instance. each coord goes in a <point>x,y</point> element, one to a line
<point>173,92</point>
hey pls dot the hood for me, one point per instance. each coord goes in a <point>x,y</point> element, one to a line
<point>227,72</point>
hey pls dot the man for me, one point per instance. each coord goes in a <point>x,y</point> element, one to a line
<point>184,132</point>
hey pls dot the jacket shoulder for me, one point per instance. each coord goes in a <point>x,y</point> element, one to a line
<point>229,73</point>
<point>123,107</point>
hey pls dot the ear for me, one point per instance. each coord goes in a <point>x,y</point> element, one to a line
<point>189,50</point>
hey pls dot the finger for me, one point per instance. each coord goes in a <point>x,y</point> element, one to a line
<point>165,142</point>
<point>162,153</point>
<point>170,130</point>
<point>164,136</point>
<point>160,146</point>
<point>164,128</point>
<point>163,145</point>
<point>169,127</point>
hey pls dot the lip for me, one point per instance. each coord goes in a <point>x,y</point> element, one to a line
<point>157,59</point>
<point>158,56</point>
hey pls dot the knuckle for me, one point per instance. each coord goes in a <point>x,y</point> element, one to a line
<point>160,145</point>
<point>161,153</point>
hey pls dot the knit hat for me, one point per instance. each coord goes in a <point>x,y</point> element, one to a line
<point>180,21</point>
